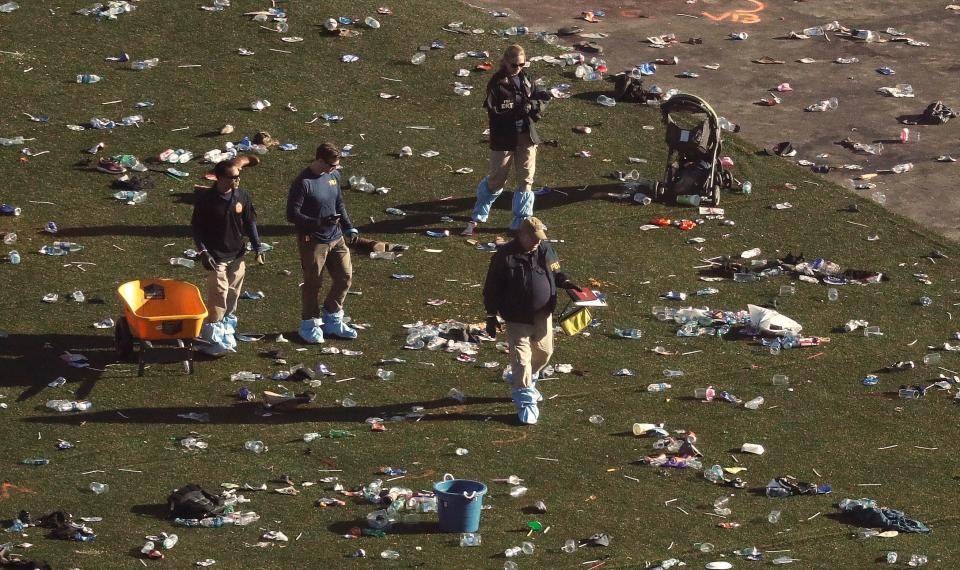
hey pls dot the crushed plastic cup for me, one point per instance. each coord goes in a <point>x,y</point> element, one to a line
<point>872,331</point>
<point>99,488</point>
<point>780,380</point>
<point>932,358</point>
<point>418,58</point>
<point>832,294</point>
<point>606,101</point>
<point>774,517</point>
<point>754,448</point>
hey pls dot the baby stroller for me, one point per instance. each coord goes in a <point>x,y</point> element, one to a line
<point>694,174</point>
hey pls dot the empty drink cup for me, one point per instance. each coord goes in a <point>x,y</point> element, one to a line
<point>787,290</point>
<point>832,294</point>
<point>933,358</point>
<point>773,517</point>
<point>781,380</point>
<point>872,331</point>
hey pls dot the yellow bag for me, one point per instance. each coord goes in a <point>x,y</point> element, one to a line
<point>576,321</point>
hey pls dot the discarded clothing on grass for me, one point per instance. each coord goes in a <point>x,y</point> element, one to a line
<point>882,517</point>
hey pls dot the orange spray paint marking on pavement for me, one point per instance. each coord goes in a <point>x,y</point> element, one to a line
<point>742,16</point>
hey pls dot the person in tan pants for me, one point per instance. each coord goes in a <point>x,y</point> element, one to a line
<point>513,105</point>
<point>521,286</point>
<point>222,215</point>
<point>315,206</point>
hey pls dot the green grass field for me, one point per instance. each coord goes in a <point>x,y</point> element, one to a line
<point>828,422</point>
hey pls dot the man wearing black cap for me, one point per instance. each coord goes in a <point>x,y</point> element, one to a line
<point>521,287</point>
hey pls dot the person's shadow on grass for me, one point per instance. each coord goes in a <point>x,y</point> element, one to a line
<point>247,413</point>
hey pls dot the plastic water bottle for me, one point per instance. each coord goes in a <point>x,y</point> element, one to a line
<point>388,255</point>
<point>891,557</point>
<point>255,446</point>
<point>470,539</point>
<point>746,187</point>
<point>88,78</point>
<point>245,376</point>
<point>8,7</point>
<point>673,373</point>
<point>658,387</point>
<point>628,333</point>
<point>390,555</point>
<point>418,58</point>
<point>145,64</point>
<point>917,560</point>
<point>10,238</point>
<point>14,257</point>
<point>213,522</point>
<point>395,212</point>
<point>371,23</point>
<point>774,517</point>
<point>35,461</point>
<point>182,261</point>
<point>728,125</point>
<point>461,451</point>
<point>518,491</point>
<point>99,488</point>
<point>7,209</point>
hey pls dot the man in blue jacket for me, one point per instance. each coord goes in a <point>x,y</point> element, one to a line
<point>521,287</point>
<point>315,206</point>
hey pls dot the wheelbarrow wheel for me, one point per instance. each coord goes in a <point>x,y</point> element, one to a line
<point>715,197</point>
<point>123,339</point>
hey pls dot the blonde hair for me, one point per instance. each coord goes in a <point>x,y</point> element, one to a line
<point>512,52</point>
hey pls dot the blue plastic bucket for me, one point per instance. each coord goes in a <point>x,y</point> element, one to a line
<point>459,502</point>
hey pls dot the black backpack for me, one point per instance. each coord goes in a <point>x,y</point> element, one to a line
<point>937,113</point>
<point>192,502</point>
<point>629,89</point>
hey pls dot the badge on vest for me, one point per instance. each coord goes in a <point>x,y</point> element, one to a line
<point>332,182</point>
<point>507,105</point>
<point>555,266</point>
<point>238,208</point>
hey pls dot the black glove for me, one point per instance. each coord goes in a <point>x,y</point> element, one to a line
<point>492,325</point>
<point>208,262</point>
<point>569,285</point>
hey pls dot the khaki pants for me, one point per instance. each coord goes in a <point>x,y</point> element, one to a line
<point>524,158</point>
<point>314,257</point>
<point>531,347</point>
<point>223,289</point>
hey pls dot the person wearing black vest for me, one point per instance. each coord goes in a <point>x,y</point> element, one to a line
<point>514,104</point>
<point>222,215</point>
<point>521,287</point>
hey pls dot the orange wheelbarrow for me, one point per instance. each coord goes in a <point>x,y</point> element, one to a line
<point>159,311</point>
